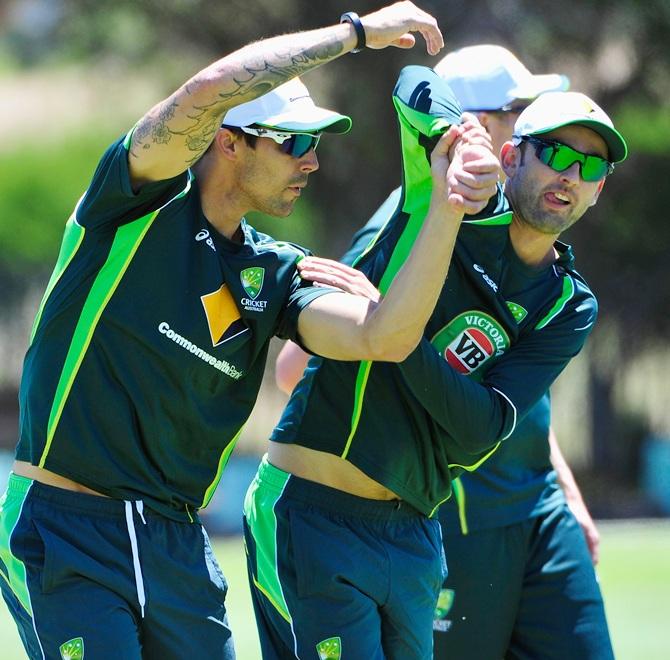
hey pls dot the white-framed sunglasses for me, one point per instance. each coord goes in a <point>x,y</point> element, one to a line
<point>293,144</point>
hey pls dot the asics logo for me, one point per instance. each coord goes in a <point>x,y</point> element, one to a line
<point>485,277</point>
<point>203,235</point>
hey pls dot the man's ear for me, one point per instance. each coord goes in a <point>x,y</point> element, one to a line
<point>510,159</point>
<point>483,118</point>
<point>599,189</point>
<point>227,143</point>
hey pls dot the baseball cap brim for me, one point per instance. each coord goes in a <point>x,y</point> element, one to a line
<point>535,85</point>
<point>288,107</point>
<point>317,120</point>
<point>616,145</point>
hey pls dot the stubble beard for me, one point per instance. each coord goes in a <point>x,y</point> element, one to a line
<point>273,203</point>
<point>527,204</point>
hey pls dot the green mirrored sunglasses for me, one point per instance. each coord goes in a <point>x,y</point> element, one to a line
<point>560,157</point>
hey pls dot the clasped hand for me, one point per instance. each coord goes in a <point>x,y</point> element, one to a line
<point>464,168</point>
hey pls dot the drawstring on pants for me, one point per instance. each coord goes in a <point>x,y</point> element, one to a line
<point>130,524</point>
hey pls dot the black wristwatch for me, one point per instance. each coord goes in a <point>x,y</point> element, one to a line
<point>352,17</point>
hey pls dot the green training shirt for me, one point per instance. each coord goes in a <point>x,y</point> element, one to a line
<point>518,481</point>
<point>500,334</point>
<point>149,346</point>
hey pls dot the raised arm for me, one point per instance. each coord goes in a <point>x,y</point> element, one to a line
<point>345,327</point>
<point>177,131</point>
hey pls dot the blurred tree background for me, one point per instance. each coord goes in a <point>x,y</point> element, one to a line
<point>75,74</point>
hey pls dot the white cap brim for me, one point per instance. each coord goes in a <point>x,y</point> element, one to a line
<point>289,107</point>
<point>316,120</point>
<point>536,85</point>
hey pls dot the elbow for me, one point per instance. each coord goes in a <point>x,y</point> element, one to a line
<point>288,367</point>
<point>391,348</point>
<point>399,353</point>
<point>477,444</point>
<point>283,383</point>
<point>485,432</point>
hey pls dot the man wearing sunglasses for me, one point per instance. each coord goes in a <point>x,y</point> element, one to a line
<point>491,525</point>
<point>502,505</point>
<point>363,447</point>
<point>520,556</point>
<point>149,346</point>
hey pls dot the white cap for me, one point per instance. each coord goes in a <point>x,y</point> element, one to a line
<point>488,77</point>
<point>555,109</point>
<point>290,107</point>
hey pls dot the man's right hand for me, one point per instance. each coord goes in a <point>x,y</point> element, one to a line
<point>393,25</point>
<point>464,169</point>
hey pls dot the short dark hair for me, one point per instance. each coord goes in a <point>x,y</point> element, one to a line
<point>249,139</point>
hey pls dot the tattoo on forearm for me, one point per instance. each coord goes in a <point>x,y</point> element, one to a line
<point>140,134</point>
<point>262,75</point>
<point>266,74</point>
<point>161,132</point>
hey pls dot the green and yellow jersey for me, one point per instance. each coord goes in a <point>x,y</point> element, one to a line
<point>149,345</point>
<point>518,481</point>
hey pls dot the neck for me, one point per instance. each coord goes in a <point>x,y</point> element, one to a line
<point>218,201</point>
<point>531,246</point>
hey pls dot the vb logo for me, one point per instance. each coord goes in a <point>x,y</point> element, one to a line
<point>470,340</point>
<point>469,350</point>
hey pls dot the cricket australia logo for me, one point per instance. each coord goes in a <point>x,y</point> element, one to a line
<point>330,649</point>
<point>470,340</point>
<point>252,283</point>
<point>518,312</point>
<point>72,649</point>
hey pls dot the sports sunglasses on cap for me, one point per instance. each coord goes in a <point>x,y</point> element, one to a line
<point>560,157</point>
<point>293,144</point>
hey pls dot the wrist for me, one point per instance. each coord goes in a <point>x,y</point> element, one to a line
<point>353,19</point>
<point>443,214</point>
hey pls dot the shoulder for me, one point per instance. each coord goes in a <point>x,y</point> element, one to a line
<point>574,306</point>
<point>565,266</point>
<point>110,199</point>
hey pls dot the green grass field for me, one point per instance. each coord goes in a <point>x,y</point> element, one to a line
<point>634,573</point>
